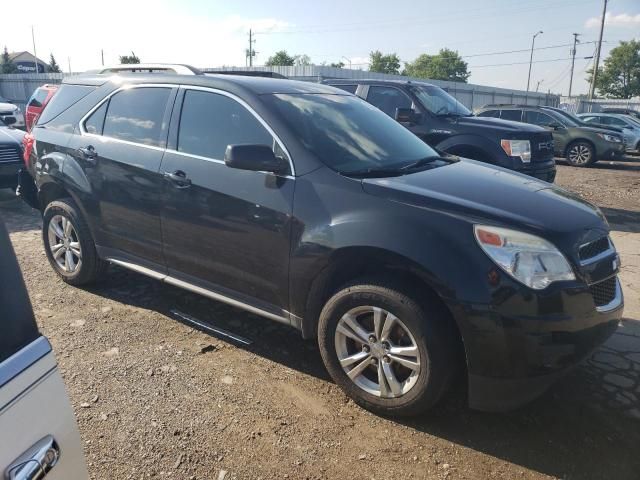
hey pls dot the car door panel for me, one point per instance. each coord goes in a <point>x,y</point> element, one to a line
<point>229,228</point>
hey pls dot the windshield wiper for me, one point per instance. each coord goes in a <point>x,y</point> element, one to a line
<point>388,172</point>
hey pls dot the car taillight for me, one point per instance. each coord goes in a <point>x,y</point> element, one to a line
<point>27,142</point>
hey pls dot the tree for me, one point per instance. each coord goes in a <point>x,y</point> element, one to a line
<point>281,59</point>
<point>7,65</point>
<point>129,59</point>
<point>620,76</point>
<point>53,65</point>
<point>389,63</point>
<point>446,65</point>
<point>302,60</point>
<point>337,65</point>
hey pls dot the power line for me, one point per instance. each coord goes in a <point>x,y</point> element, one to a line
<point>519,63</point>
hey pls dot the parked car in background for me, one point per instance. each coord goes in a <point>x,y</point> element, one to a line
<point>38,433</point>
<point>581,146</point>
<point>11,159</point>
<point>579,121</point>
<point>622,111</point>
<point>444,123</point>
<point>629,125</point>
<point>11,114</point>
<point>304,204</point>
<point>37,102</point>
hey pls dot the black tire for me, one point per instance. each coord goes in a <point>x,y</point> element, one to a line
<point>581,154</point>
<point>429,326</point>
<point>91,266</point>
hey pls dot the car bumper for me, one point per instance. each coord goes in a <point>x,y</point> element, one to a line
<point>543,171</point>
<point>9,174</point>
<point>611,151</point>
<point>518,346</point>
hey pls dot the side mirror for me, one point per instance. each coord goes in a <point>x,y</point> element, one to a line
<point>406,115</point>
<point>258,158</point>
<point>556,126</point>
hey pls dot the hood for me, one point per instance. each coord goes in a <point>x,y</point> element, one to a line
<point>498,124</point>
<point>479,192</point>
<point>10,135</point>
<point>605,130</point>
<point>7,107</point>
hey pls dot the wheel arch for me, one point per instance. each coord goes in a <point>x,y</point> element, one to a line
<point>576,140</point>
<point>471,146</point>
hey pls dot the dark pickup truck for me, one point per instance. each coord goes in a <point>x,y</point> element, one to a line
<point>444,123</point>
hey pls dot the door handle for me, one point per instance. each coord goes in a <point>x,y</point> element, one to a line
<point>36,462</point>
<point>178,178</point>
<point>88,152</point>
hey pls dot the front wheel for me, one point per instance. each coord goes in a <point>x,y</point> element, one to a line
<point>581,154</point>
<point>388,353</point>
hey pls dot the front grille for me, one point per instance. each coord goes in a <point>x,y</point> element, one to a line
<point>9,154</point>
<point>541,147</point>
<point>603,292</point>
<point>594,248</point>
<point>8,112</point>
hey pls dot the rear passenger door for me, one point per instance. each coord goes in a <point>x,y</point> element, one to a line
<point>120,148</point>
<point>560,134</point>
<point>225,229</point>
<point>37,426</point>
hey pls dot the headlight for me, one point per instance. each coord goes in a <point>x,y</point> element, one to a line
<point>517,148</point>
<point>529,259</point>
<point>610,138</point>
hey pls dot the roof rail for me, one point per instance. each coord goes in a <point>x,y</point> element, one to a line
<point>178,69</point>
<point>247,73</point>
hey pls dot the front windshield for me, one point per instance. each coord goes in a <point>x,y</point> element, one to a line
<point>348,134</point>
<point>439,102</point>
<point>570,116</point>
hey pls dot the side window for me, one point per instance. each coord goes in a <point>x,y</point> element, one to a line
<point>65,97</point>
<point>515,115</point>
<point>490,113</point>
<point>38,98</point>
<point>210,121</point>
<point>388,99</point>
<point>591,119</point>
<point>616,122</point>
<point>95,122</point>
<point>136,115</point>
<point>538,118</point>
<point>347,88</point>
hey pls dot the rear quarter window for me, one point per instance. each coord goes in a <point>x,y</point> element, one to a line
<point>65,97</point>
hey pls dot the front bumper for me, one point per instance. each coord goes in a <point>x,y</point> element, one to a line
<point>545,171</point>
<point>9,174</point>
<point>614,150</point>
<point>518,346</point>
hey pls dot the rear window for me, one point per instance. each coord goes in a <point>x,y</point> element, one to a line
<point>65,97</point>
<point>38,98</point>
<point>490,113</point>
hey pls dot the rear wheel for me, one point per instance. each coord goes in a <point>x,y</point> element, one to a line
<point>388,353</point>
<point>68,243</point>
<point>581,154</point>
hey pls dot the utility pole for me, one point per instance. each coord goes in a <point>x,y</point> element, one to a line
<point>251,51</point>
<point>533,41</point>
<point>594,77</point>
<point>35,57</point>
<point>69,62</point>
<point>538,85</point>
<point>102,55</point>
<point>573,60</point>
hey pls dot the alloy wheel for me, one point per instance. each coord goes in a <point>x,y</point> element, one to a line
<point>64,244</point>
<point>580,154</point>
<point>377,351</point>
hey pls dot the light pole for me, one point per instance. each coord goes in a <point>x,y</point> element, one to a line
<point>533,41</point>
<point>348,60</point>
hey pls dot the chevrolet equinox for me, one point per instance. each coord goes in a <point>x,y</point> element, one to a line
<point>306,205</point>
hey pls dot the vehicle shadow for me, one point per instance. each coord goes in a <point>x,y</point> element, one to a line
<point>622,165</point>
<point>622,220</point>
<point>17,215</point>
<point>578,430</point>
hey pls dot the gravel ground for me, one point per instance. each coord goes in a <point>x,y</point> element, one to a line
<point>156,398</point>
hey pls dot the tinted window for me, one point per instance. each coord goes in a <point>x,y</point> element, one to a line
<point>515,115</point>
<point>39,96</point>
<point>209,122</point>
<point>490,113</point>
<point>348,134</point>
<point>439,102</point>
<point>136,115</point>
<point>590,119</point>
<point>18,327</point>
<point>616,122</point>
<point>388,99</point>
<point>65,97</point>
<point>538,118</point>
<point>347,88</point>
<point>95,122</point>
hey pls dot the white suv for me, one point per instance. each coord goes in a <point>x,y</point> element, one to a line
<point>11,114</point>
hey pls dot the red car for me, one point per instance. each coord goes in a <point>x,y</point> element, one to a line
<point>37,102</point>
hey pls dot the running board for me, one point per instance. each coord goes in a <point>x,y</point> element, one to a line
<point>199,290</point>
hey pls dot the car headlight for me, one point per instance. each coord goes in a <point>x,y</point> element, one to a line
<point>610,138</point>
<point>529,259</point>
<point>517,148</point>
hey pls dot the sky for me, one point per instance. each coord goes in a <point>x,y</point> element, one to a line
<point>209,33</point>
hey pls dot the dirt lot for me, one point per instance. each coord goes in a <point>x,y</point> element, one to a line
<point>156,398</point>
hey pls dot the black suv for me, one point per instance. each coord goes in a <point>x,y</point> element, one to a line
<point>307,205</point>
<point>444,123</point>
<point>10,155</point>
<point>581,145</point>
